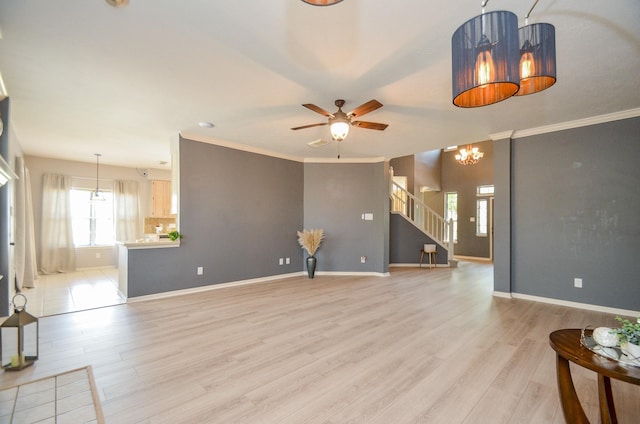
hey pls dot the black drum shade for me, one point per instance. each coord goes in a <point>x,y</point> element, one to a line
<point>485,58</point>
<point>537,58</point>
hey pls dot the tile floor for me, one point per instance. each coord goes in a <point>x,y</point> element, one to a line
<point>66,398</point>
<point>75,291</point>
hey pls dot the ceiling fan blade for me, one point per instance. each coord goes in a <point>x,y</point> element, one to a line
<point>309,126</point>
<point>370,106</point>
<point>369,125</point>
<point>317,109</point>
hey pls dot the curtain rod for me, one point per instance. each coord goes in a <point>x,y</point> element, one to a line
<point>91,178</point>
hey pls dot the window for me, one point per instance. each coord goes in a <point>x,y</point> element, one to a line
<point>485,190</point>
<point>482,217</point>
<point>451,213</point>
<point>92,221</point>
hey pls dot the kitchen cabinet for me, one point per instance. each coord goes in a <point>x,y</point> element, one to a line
<point>160,198</point>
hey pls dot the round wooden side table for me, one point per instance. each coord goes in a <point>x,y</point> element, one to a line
<point>567,345</point>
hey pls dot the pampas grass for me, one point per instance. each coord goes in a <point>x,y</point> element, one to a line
<point>310,240</point>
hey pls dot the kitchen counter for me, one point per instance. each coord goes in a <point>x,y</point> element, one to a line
<point>149,244</point>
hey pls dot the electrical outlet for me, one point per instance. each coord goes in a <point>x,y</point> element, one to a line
<point>98,255</point>
<point>577,282</point>
<point>287,261</point>
<point>281,261</point>
<point>200,270</point>
<point>363,259</point>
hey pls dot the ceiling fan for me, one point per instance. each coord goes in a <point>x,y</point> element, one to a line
<point>339,122</point>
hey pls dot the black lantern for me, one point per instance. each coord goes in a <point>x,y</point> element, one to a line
<point>19,338</point>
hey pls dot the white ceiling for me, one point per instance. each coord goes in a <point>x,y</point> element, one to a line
<point>85,77</point>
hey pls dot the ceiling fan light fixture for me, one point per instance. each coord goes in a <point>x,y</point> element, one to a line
<point>339,122</point>
<point>339,129</point>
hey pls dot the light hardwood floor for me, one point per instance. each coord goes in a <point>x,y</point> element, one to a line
<point>420,346</point>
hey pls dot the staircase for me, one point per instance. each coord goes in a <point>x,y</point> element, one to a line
<point>422,217</point>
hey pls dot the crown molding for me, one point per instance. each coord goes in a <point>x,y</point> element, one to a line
<point>600,119</point>
<point>504,135</point>
<point>265,152</point>
<point>345,160</point>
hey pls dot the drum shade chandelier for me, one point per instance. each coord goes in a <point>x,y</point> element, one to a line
<point>322,2</point>
<point>493,60</point>
<point>537,58</point>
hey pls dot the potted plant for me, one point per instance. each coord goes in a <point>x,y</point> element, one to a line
<point>629,336</point>
<point>174,235</point>
<point>310,240</point>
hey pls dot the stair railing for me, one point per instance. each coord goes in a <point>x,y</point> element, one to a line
<point>422,216</point>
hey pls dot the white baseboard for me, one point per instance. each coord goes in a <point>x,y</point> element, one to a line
<point>91,268</point>
<point>211,287</point>
<point>417,265</point>
<point>472,258</point>
<point>570,304</point>
<point>352,274</point>
<point>247,282</point>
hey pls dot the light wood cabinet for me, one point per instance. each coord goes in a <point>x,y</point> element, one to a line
<point>161,198</point>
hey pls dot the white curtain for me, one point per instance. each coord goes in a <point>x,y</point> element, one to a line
<point>127,210</point>
<point>25,248</point>
<point>57,252</point>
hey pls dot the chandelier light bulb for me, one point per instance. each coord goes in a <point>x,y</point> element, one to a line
<point>527,62</point>
<point>485,66</point>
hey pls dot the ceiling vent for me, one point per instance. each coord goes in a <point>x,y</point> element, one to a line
<point>317,143</point>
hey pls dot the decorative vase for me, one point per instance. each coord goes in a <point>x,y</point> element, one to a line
<point>311,266</point>
<point>632,352</point>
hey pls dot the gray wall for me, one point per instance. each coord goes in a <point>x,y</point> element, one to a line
<point>464,179</point>
<point>576,209</point>
<point>407,241</point>
<point>5,201</point>
<point>335,197</point>
<point>239,213</point>
<point>405,167</point>
<point>428,170</point>
<point>502,216</point>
